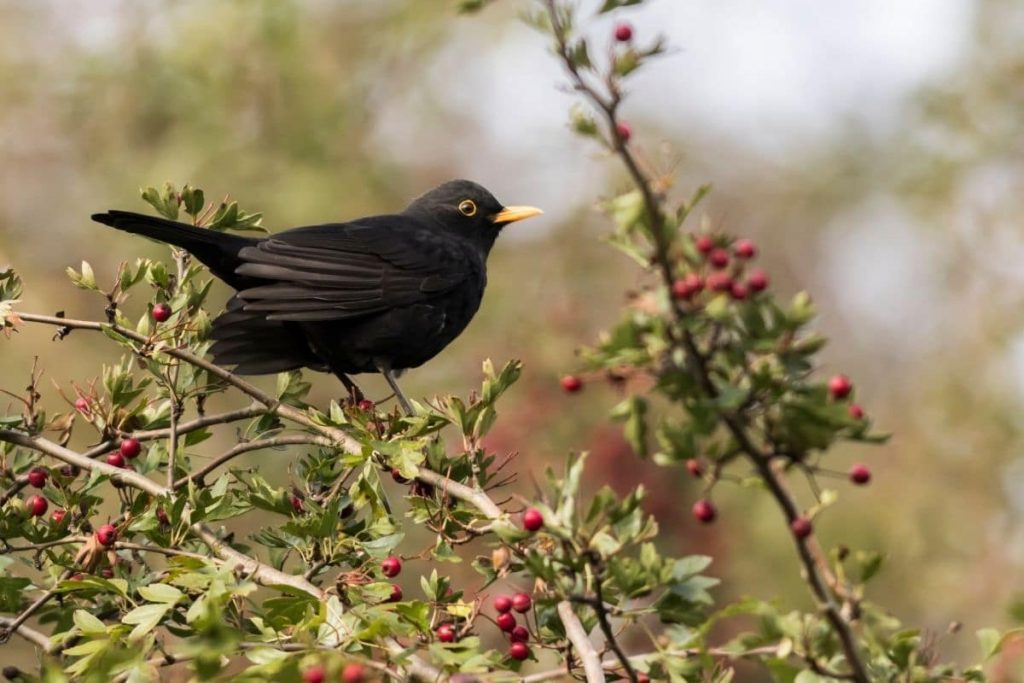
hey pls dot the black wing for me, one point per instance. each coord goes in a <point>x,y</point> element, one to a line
<point>347,270</point>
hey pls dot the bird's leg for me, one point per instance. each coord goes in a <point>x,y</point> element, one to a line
<point>389,375</point>
<point>354,392</point>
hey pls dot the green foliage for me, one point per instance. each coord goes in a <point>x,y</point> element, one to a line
<point>724,380</point>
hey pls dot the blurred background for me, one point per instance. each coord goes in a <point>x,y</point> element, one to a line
<point>874,150</point>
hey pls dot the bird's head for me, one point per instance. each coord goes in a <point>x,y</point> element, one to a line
<point>469,210</point>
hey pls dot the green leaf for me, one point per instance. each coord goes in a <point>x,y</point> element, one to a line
<point>161,592</point>
<point>145,618</point>
<point>88,624</point>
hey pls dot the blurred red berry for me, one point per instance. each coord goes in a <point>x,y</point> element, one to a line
<point>296,504</point>
<point>623,32</point>
<point>397,476</point>
<point>445,633</point>
<point>719,282</point>
<point>106,535</point>
<point>758,281</point>
<point>801,527</point>
<point>366,405</point>
<point>704,244</point>
<point>860,474</point>
<point>519,651</point>
<point>718,258</point>
<point>642,678</point>
<point>856,412</point>
<point>704,511</point>
<point>37,477</point>
<point>130,448</point>
<point>623,130</point>
<point>115,460</point>
<point>519,635</point>
<point>161,516</point>
<point>694,467</point>
<point>506,621</point>
<point>396,593</point>
<point>840,386</point>
<point>738,291</point>
<point>58,515</point>
<point>37,506</point>
<point>521,602</point>
<point>314,674</point>
<point>391,566</point>
<point>571,384</point>
<point>161,312</point>
<point>353,673</point>
<point>502,603</point>
<point>745,249</point>
<point>533,520</point>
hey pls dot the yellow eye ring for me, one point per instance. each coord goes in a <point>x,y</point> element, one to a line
<point>467,207</point>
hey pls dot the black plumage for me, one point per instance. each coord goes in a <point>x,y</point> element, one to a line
<point>377,294</point>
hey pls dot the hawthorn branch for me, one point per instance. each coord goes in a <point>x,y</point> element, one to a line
<point>263,573</point>
<point>815,567</point>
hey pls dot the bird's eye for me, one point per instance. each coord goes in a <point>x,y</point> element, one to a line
<point>467,207</point>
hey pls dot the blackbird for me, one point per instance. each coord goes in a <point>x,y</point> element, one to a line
<point>376,294</point>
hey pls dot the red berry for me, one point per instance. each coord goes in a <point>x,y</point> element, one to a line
<point>366,405</point>
<point>353,673</point>
<point>391,566</point>
<point>758,281</point>
<point>745,249</point>
<point>506,621</point>
<point>694,467</point>
<point>106,535</point>
<point>623,130</point>
<point>107,573</point>
<point>37,506</point>
<point>518,651</point>
<point>642,678</point>
<point>445,633</point>
<point>130,448</point>
<point>801,527</point>
<point>623,32</point>
<point>681,290</point>
<point>840,386</point>
<point>718,258</point>
<point>704,244</point>
<point>397,476</point>
<point>502,603</point>
<point>738,291</point>
<point>860,474</point>
<point>533,520</point>
<point>37,477</point>
<point>314,674</point>
<point>704,511</point>
<point>719,282</point>
<point>115,460</point>
<point>161,312</point>
<point>396,593</point>
<point>856,412</point>
<point>58,515</point>
<point>519,635</point>
<point>161,516</point>
<point>571,384</point>
<point>296,504</point>
<point>521,602</point>
<point>81,405</point>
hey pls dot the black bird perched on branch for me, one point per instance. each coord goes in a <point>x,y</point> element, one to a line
<point>377,294</point>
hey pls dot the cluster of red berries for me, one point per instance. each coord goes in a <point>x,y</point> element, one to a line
<point>722,278</point>
<point>351,673</point>
<point>391,566</point>
<point>518,635</point>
